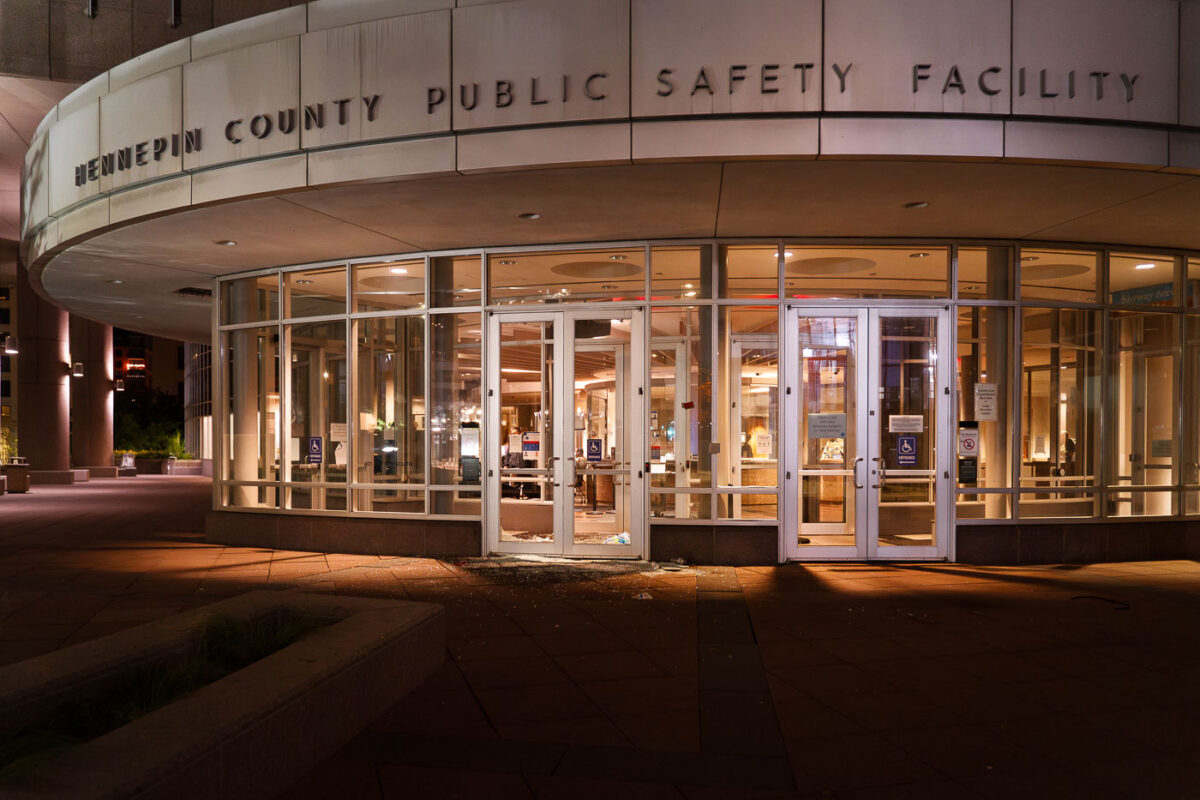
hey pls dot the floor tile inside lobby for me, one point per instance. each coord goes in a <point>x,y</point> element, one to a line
<point>838,680</point>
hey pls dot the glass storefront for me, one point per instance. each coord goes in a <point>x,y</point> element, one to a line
<point>860,398</point>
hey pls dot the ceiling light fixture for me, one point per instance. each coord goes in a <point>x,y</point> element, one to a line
<point>918,255</point>
<point>116,281</point>
<point>917,204</point>
<point>617,257</point>
<point>398,271</point>
<point>787,254</point>
<point>1029,258</point>
<point>304,282</point>
<point>530,215</point>
<point>225,242</point>
<point>506,262</point>
<point>1145,266</point>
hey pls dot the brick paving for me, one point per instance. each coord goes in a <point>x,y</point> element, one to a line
<point>838,680</point>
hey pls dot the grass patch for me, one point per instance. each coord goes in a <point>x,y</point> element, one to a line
<point>223,645</point>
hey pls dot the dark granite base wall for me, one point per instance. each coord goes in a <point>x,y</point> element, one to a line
<point>709,544</point>
<point>397,537</point>
<point>1137,540</point>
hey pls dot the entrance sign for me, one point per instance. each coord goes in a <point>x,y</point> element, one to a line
<point>827,426</point>
<point>906,423</point>
<point>987,396</point>
<point>595,449</point>
<point>313,449</point>
<point>906,450</point>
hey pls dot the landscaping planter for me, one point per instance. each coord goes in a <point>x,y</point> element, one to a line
<point>151,466</point>
<point>247,735</point>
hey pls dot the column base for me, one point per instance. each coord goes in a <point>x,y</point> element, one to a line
<point>52,477</point>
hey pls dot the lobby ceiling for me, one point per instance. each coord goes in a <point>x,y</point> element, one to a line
<point>155,258</point>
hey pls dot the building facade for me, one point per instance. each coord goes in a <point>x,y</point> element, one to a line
<point>742,283</point>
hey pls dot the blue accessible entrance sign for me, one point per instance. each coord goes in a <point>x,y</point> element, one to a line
<point>314,450</point>
<point>906,451</point>
<point>595,449</point>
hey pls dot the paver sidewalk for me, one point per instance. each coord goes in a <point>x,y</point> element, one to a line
<point>835,680</point>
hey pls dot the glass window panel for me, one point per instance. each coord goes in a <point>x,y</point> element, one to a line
<point>680,505</point>
<point>391,400</point>
<point>749,271</point>
<point>456,404</point>
<point>828,401</point>
<point>250,300</point>
<point>681,273</point>
<point>811,272</point>
<point>985,272</point>
<point>528,422</point>
<point>1191,413</point>
<point>389,285</point>
<point>465,503</point>
<point>1141,280</point>
<point>984,396</point>
<point>749,340</point>
<point>252,394</point>
<point>456,281</point>
<point>1141,504</point>
<point>390,500</point>
<point>1142,403</point>
<point>758,505</point>
<point>907,348</point>
<point>983,506</point>
<point>681,430</point>
<point>327,498</point>
<point>1054,274</point>
<point>1192,284</point>
<point>318,437</point>
<point>1060,399</point>
<point>576,276</point>
<point>249,496</point>
<point>316,292</point>
<point>1032,505</point>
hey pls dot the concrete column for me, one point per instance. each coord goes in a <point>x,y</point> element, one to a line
<point>44,373</point>
<point>92,395</point>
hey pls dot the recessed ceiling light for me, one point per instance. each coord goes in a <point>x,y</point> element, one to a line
<point>1145,266</point>
<point>116,281</point>
<point>507,262</point>
<point>918,255</point>
<point>304,282</point>
<point>1030,258</point>
<point>917,204</point>
<point>687,286</point>
<point>617,257</point>
<point>225,242</point>
<point>787,254</point>
<point>608,286</point>
<point>398,271</point>
<point>529,215</point>
<point>689,294</point>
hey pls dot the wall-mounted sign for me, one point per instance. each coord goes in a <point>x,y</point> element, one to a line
<point>338,432</point>
<point>968,439</point>
<point>906,451</point>
<point>530,442</point>
<point>968,470</point>
<point>906,423</point>
<point>987,402</point>
<point>595,449</point>
<point>827,426</point>
<point>1160,448</point>
<point>313,450</point>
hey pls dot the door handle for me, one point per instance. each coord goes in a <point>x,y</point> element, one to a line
<point>882,473</point>
<point>854,468</point>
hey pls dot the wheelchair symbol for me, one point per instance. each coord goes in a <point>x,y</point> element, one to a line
<point>908,446</point>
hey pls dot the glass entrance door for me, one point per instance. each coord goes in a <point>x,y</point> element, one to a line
<point>867,468</point>
<point>565,458</point>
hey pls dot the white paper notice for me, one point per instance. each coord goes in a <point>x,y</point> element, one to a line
<point>338,432</point>
<point>826,426</point>
<point>906,423</point>
<point>987,398</point>
<point>762,445</point>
